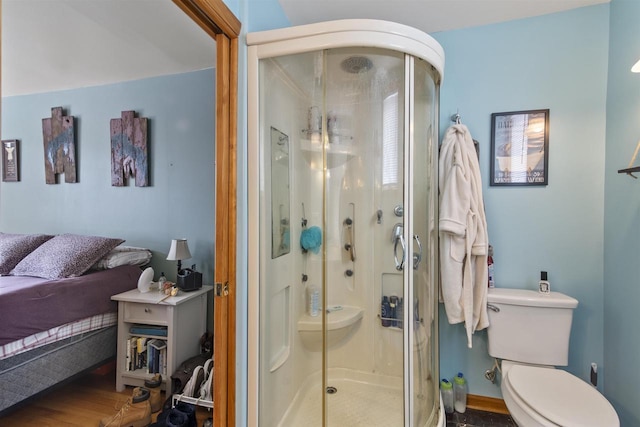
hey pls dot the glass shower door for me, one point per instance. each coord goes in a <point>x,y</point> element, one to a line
<point>291,98</point>
<point>422,164</point>
<point>364,182</point>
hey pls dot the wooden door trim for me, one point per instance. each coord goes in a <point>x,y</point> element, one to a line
<point>220,23</point>
<point>213,16</point>
<point>232,209</point>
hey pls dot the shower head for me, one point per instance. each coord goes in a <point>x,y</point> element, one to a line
<point>356,64</point>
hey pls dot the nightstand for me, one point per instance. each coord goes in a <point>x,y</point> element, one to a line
<point>173,326</point>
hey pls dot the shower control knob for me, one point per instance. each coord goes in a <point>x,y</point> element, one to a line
<point>398,211</point>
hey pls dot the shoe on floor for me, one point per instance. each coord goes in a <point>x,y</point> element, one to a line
<point>187,409</point>
<point>136,411</point>
<point>172,418</point>
<point>154,385</point>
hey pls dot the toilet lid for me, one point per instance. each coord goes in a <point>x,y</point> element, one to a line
<point>561,397</point>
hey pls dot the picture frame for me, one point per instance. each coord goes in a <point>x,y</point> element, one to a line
<point>520,148</point>
<point>10,161</point>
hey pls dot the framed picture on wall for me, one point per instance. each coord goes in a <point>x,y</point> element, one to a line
<point>520,148</point>
<point>10,161</point>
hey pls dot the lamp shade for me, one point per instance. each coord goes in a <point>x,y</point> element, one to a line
<point>179,250</point>
<point>636,67</point>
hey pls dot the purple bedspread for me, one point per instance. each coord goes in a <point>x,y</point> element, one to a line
<point>32,304</point>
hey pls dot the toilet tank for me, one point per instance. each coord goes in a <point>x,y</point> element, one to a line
<point>527,326</point>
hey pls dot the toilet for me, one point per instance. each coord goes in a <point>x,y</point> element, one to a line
<point>529,332</point>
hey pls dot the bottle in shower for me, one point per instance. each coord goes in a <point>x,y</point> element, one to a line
<point>393,302</point>
<point>313,301</point>
<point>460,393</point>
<point>385,312</point>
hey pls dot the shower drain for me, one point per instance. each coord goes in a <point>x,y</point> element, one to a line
<point>332,390</point>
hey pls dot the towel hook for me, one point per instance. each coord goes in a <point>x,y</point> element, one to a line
<point>456,118</point>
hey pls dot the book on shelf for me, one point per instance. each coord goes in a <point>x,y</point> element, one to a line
<point>132,346</point>
<point>155,349</point>
<point>160,331</point>
<point>127,363</point>
<point>142,352</point>
<point>147,354</point>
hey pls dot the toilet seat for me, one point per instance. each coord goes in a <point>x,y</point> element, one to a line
<point>560,397</point>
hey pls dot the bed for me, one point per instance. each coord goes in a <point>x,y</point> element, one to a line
<point>56,314</point>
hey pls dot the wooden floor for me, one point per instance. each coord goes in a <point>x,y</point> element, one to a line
<point>82,403</point>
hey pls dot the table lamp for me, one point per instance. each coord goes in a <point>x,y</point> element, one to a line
<point>179,250</point>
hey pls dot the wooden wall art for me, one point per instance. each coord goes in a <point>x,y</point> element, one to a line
<point>10,161</point>
<point>59,146</point>
<point>129,150</point>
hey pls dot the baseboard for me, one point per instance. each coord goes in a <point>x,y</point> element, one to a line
<point>485,403</point>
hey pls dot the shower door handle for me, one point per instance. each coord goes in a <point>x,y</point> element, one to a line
<point>417,256</point>
<point>398,237</point>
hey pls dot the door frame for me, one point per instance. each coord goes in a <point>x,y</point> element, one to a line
<point>220,23</point>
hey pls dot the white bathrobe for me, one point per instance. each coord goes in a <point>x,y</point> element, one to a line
<point>463,233</point>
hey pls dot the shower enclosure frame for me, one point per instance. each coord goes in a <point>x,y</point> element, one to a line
<point>310,38</point>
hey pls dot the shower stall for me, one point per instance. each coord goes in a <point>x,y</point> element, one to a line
<point>343,196</point>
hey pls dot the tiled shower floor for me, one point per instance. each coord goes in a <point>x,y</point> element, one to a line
<point>352,405</point>
<point>363,404</point>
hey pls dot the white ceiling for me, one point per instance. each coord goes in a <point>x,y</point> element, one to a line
<point>62,44</point>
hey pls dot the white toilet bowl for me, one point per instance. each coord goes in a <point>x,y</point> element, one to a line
<point>529,331</point>
<point>544,396</point>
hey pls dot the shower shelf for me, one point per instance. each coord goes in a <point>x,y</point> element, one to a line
<point>390,319</point>
<point>339,324</point>
<point>335,320</point>
<point>332,136</point>
<point>337,153</point>
<point>332,148</point>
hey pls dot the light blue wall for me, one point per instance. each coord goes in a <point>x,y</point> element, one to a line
<point>558,62</point>
<point>180,199</point>
<point>622,216</point>
<point>265,15</point>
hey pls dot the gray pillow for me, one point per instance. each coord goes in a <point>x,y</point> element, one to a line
<point>66,255</point>
<point>14,247</point>
<point>123,255</point>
